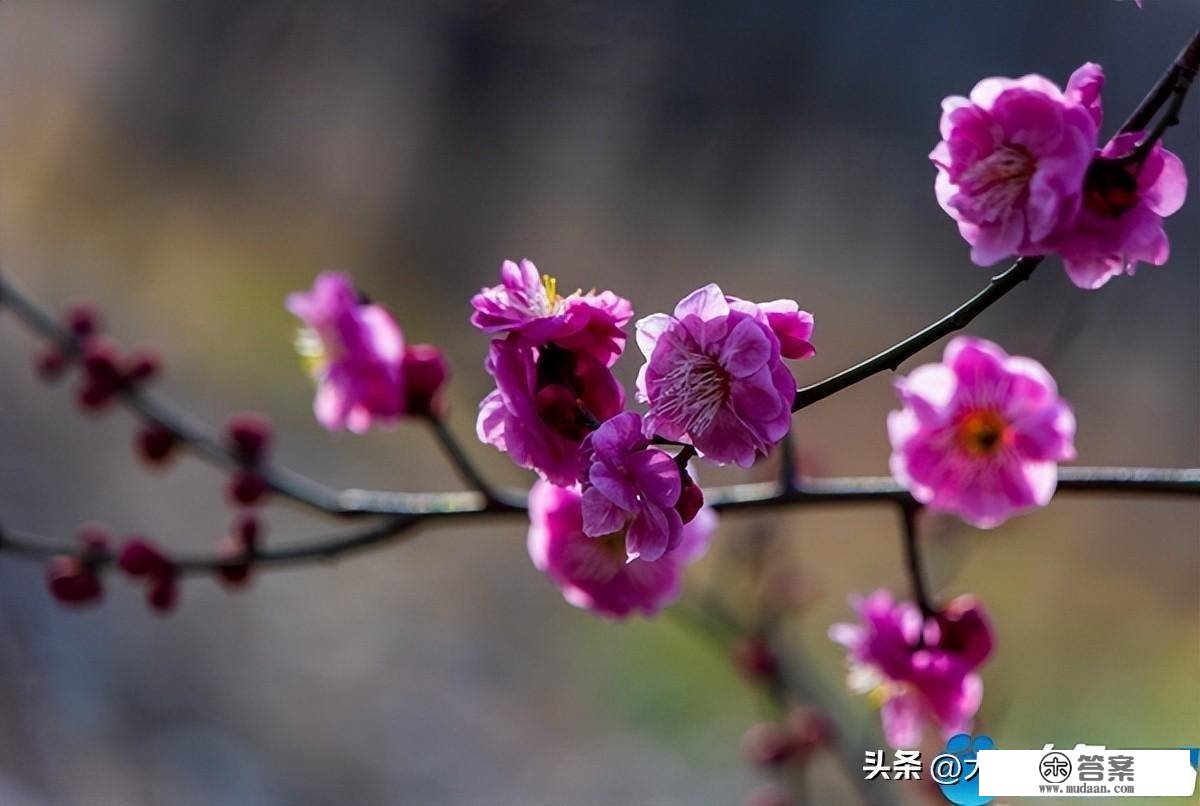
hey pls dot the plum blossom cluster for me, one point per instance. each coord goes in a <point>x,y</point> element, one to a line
<point>1021,170</point>
<point>715,385</point>
<point>920,668</point>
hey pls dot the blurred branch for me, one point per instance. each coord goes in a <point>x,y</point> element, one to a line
<point>912,557</point>
<point>1172,87</point>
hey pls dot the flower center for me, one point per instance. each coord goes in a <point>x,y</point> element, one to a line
<point>982,433</point>
<point>692,392</point>
<point>996,183</point>
<point>1110,190</point>
<point>314,356</point>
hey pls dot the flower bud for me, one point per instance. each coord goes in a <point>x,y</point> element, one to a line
<point>156,442</point>
<point>142,366</point>
<point>769,744</point>
<point>425,373</point>
<point>755,659</point>
<point>83,320</point>
<point>691,497</point>
<point>163,593</point>
<point>247,487</point>
<point>140,557</point>
<point>72,581</point>
<point>249,436</point>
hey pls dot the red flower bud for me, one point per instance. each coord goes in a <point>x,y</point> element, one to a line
<point>156,442</point>
<point>247,528</point>
<point>811,728</point>
<point>247,487</point>
<point>755,659</point>
<point>140,557</point>
<point>83,320</point>
<point>234,570</point>
<point>95,539</point>
<point>769,744</point>
<point>163,593</point>
<point>691,498</point>
<point>249,436</point>
<point>425,372</point>
<point>73,582</point>
<point>142,366</point>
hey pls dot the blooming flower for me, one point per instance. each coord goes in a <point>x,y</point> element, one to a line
<point>545,402</point>
<point>1012,159</point>
<point>630,487</point>
<point>921,670</point>
<point>980,434</point>
<point>527,304</point>
<point>354,351</point>
<point>594,572</point>
<point>1120,221</point>
<point>714,375</point>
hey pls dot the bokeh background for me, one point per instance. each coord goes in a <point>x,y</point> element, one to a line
<point>186,165</point>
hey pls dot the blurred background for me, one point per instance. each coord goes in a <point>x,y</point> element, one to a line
<point>186,165</point>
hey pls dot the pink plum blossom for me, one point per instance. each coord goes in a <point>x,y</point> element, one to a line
<point>545,402</point>
<point>630,487</point>
<point>354,352</point>
<point>528,305</point>
<point>714,375</point>
<point>980,434</point>
<point>1121,220</point>
<point>921,670</point>
<point>1012,159</point>
<point>594,572</point>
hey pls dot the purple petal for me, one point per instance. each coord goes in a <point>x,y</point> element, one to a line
<point>746,349</point>
<point>656,475</point>
<point>600,516</point>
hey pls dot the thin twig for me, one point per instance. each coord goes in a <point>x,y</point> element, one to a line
<point>912,558</point>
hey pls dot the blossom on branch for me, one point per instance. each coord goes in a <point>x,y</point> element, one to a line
<point>980,434</point>
<point>714,375</point>
<point>1121,220</point>
<point>631,488</point>
<point>545,402</point>
<point>1012,160</point>
<point>594,572</point>
<point>527,305</point>
<point>354,352</point>
<point>920,670</point>
<point>551,361</point>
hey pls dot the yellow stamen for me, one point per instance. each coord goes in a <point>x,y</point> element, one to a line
<point>311,351</point>
<point>551,287</point>
<point>982,433</point>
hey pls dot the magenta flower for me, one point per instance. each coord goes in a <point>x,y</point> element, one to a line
<point>920,670</point>
<point>1012,159</point>
<point>1121,220</point>
<point>714,375</point>
<point>545,402</point>
<point>354,352</point>
<point>980,434</point>
<point>527,304</point>
<point>594,572</point>
<point>630,488</point>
